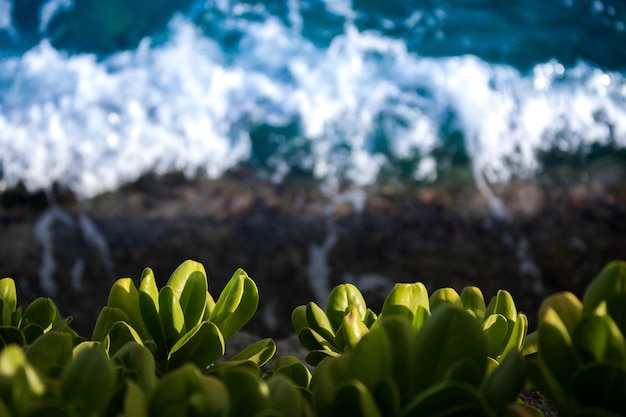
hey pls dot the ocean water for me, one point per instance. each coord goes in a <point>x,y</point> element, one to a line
<point>96,93</point>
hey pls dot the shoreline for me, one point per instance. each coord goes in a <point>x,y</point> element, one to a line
<point>297,243</point>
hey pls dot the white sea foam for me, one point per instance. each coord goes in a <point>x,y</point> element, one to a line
<point>187,105</point>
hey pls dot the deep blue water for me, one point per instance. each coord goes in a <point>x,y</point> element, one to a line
<point>94,93</point>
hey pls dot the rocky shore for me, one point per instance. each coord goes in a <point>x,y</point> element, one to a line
<point>297,243</point>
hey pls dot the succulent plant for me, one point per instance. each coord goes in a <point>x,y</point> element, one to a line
<point>440,370</point>
<point>181,322</point>
<point>23,328</point>
<point>581,359</point>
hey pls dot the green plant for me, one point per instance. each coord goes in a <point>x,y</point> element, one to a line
<point>181,322</point>
<point>336,330</point>
<point>23,328</point>
<point>581,359</point>
<point>347,318</point>
<point>440,370</point>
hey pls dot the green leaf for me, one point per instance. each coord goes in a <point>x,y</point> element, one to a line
<point>203,345</point>
<point>448,399</point>
<point>79,386</point>
<point>401,337</point>
<point>496,329</point>
<point>566,306</point>
<point>312,340</point>
<point>610,286</point>
<point>106,319</point>
<point>12,335</point>
<point>178,280</point>
<point>292,368</point>
<point>172,317</point>
<point>120,334</point>
<point>135,403</point>
<point>149,308</point>
<point>318,321</point>
<point>555,347</point>
<point>340,299</point>
<point>186,392</point>
<point>285,397</point>
<point>404,299</point>
<point>449,336</point>
<point>353,398</point>
<point>193,298</point>
<point>474,302</point>
<point>595,340</point>
<point>541,377</point>
<point>517,334</point>
<point>351,331</point>
<point>50,353</point>
<point>136,364</point>
<point>259,352</point>
<point>601,386</point>
<point>316,356</point>
<point>124,295</point>
<point>42,312</point>
<point>8,296</point>
<point>505,383</point>
<point>445,297</point>
<point>298,318</point>
<point>329,375</point>
<point>248,302</point>
<point>503,304</point>
<point>371,359</point>
<point>249,394</point>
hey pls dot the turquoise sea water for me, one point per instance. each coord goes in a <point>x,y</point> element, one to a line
<point>95,93</point>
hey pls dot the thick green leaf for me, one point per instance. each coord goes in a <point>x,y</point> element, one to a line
<point>401,337</point>
<point>50,353</point>
<point>594,340</point>
<point>316,356</point>
<point>566,306</point>
<point>244,310</point>
<point>135,403</point>
<point>312,340</point>
<point>285,397</point>
<point>601,386</point>
<point>120,334</point>
<point>371,359</point>
<point>555,346</point>
<point>8,296</point>
<point>193,298</point>
<point>181,274</point>
<point>229,299</point>
<point>449,336</point>
<point>387,397</point>
<point>42,312</point>
<point>149,307</point>
<point>136,363</point>
<point>474,302</point>
<point>504,384</point>
<point>298,318</point>
<point>249,394</point>
<point>11,335</point>
<point>185,392</point>
<point>106,319</point>
<point>354,399</point>
<point>541,377</point>
<point>445,297</point>
<point>340,299</point>
<point>496,329</point>
<point>318,321</point>
<point>503,304</point>
<point>610,286</point>
<point>448,399</point>
<point>171,314</point>
<point>404,299</point>
<point>87,382</point>
<point>259,352</point>
<point>202,345</point>
<point>124,295</point>
<point>517,335</point>
<point>329,375</point>
<point>31,332</point>
<point>292,368</point>
<point>351,331</point>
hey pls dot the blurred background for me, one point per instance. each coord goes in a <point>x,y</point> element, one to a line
<point>311,142</point>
